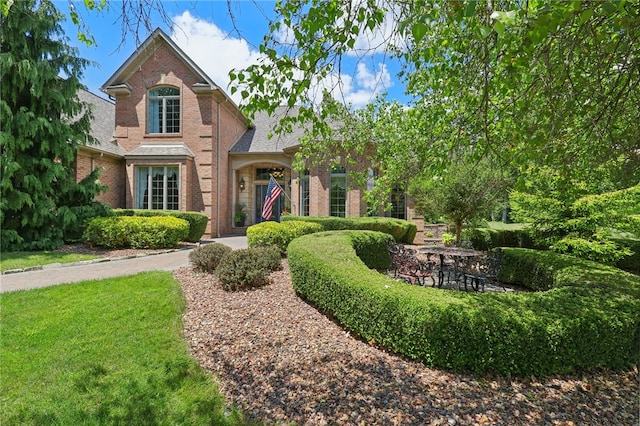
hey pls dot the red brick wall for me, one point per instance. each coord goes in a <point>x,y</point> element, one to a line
<point>112,175</point>
<point>202,184</point>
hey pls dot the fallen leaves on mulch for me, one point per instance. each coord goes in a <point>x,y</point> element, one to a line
<point>280,360</point>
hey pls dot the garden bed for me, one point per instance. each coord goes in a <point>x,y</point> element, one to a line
<point>280,359</point>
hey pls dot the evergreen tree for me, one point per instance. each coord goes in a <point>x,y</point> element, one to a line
<point>42,124</point>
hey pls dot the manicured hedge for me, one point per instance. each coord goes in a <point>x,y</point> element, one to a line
<point>589,317</point>
<point>403,231</point>
<point>197,221</point>
<point>485,239</point>
<point>136,232</point>
<point>275,234</point>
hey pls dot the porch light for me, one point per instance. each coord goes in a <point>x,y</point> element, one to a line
<point>242,184</point>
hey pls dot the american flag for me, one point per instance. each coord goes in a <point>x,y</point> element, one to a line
<point>273,192</point>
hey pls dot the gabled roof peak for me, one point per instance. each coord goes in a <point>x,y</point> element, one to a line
<point>142,53</point>
<point>117,83</point>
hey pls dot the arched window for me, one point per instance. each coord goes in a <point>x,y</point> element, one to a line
<point>163,114</point>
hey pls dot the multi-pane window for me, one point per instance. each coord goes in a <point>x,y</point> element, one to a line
<point>338,197</point>
<point>278,173</point>
<point>304,193</point>
<point>398,203</point>
<point>164,110</point>
<point>157,188</point>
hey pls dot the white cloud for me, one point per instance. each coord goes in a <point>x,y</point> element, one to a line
<point>362,87</point>
<point>217,52</point>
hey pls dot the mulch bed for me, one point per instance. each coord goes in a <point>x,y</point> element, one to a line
<point>280,360</point>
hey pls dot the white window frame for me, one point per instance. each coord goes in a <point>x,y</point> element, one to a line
<point>338,173</point>
<point>154,102</point>
<point>140,190</point>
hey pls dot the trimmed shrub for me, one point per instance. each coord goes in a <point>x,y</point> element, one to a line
<point>269,258</point>
<point>136,232</point>
<point>242,269</point>
<point>486,239</point>
<point>403,231</point>
<point>108,232</point>
<point>275,234</point>
<point>206,258</point>
<point>197,221</point>
<point>588,318</point>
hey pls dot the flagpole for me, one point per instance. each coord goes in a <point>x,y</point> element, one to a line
<point>281,188</point>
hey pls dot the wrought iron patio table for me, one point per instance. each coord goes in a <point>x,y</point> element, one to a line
<point>454,253</point>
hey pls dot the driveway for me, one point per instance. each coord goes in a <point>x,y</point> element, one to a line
<point>96,270</point>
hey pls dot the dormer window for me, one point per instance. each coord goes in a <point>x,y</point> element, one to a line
<point>163,110</point>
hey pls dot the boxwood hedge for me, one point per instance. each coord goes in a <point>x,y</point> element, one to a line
<point>486,239</point>
<point>197,221</point>
<point>403,231</point>
<point>588,315</point>
<point>136,232</point>
<point>276,234</point>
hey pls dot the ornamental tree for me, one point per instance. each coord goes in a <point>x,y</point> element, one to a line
<point>42,125</point>
<point>534,83</point>
<point>581,226</point>
<point>468,191</point>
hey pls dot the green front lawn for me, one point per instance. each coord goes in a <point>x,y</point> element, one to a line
<point>505,226</point>
<point>27,259</point>
<point>103,352</point>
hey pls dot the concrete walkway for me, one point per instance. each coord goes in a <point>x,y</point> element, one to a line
<point>59,273</point>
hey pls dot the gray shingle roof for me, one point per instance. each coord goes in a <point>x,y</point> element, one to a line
<point>103,123</point>
<point>256,139</point>
<point>161,150</point>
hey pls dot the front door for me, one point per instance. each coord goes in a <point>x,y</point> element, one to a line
<point>261,192</point>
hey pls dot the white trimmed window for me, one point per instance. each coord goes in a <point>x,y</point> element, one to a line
<point>163,114</point>
<point>157,188</point>
<point>304,193</point>
<point>338,196</point>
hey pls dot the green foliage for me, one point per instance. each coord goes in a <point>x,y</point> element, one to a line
<point>207,257</point>
<point>43,124</point>
<point>485,239</point>
<point>467,192</point>
<point>588,317</point>
<point>243,269</point>
<point>275,234</point>
<point>403,231</point>
<point>596,248</point>
<point>136,232</point>
<point>580,227</point>
<point>197,221</point>
<point>448,239</point>
<point>528,82</point>
<point>630,263</point>
<point>114,348</point>
<point>269,258</point>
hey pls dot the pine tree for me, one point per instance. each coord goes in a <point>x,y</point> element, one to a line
<point>42,124</point>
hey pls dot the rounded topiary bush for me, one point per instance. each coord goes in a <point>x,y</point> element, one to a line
<point>207,258</point>
<point>242,269</point>
<point>274,234</point>
<point>269,258</point>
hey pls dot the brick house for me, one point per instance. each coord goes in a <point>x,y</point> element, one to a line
<point>173,139</point>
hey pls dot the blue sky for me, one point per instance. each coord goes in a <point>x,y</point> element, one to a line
<point>205,31</point>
